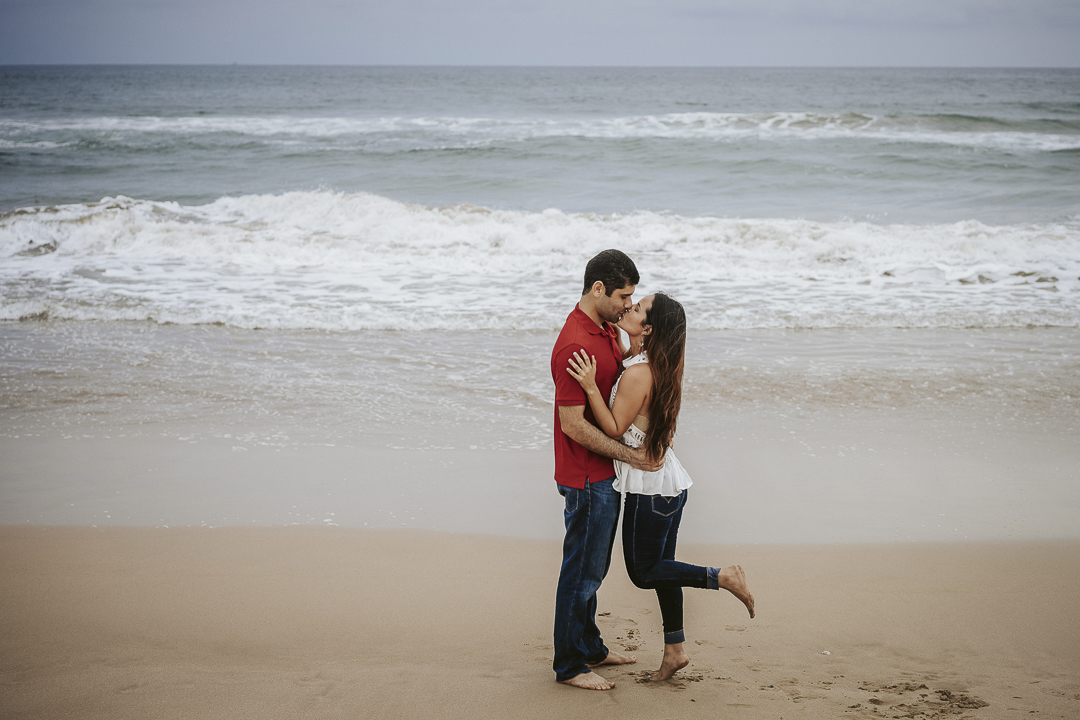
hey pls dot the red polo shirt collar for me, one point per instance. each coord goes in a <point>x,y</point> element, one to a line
<point>605,328</point>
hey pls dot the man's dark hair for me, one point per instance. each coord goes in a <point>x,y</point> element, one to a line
<point>613,268</point>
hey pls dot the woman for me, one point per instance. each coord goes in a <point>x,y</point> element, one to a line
<point>642,410</point>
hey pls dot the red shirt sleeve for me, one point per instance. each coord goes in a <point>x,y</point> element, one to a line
<point>567,390</point>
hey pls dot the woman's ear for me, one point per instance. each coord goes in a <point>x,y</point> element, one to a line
<point>646,329</point>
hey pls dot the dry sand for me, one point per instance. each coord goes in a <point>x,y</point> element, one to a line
<point>334,622</point>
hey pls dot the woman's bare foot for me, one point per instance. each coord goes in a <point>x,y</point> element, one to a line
<point>733,579</point>
<point>614,658</point>
<point>589,681</point>
<point>674,660</point>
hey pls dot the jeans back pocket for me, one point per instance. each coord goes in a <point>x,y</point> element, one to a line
<point>666,506</point>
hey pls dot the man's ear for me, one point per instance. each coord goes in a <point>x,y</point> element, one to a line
<point>597,289</point>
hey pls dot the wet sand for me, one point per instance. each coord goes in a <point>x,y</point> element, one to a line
<point>761,475</point>
<point>790,436</point>
<point>339,622</point>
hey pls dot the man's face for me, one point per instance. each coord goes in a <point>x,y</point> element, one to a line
<point>611,307</point>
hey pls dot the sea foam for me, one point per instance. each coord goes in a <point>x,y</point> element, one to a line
<point>360,261</point>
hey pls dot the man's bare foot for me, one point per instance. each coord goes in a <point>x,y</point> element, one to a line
<point>674,660</point>
<point>589,681</point>
<point>614,658</point>
<point>733,579</point>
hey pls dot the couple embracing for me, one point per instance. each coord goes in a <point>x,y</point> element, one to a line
<point>615,412</point>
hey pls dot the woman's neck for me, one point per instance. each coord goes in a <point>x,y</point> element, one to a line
<point>636,344</point>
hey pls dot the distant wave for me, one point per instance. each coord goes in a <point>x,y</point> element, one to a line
<point>30,145</point>
<point>403,133</point>
<point>353,261</point>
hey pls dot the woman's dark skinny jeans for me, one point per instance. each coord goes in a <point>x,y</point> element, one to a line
<point>650,532</point>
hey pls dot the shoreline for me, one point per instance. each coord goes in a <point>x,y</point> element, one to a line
<point>334,622</point>
<point>761,475</point>
<point>790,436</point>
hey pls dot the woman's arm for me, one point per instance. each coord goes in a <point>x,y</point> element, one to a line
<point>633,392</point>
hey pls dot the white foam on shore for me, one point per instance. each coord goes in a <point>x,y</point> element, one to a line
<point>360,261</point>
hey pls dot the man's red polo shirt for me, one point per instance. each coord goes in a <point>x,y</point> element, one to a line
<point>574,463</point>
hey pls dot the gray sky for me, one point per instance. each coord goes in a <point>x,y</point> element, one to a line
<point>545,32</point>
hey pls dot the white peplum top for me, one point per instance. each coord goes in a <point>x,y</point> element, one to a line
<point>668,481</point>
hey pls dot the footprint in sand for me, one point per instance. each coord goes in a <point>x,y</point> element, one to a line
<point>916,699</point>
<point>796,690</point>
<point>317,686</point>
<point>675,682</point>
<point>541,646</point>
<point>627,635</point>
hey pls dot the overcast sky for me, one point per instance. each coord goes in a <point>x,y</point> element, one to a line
<point>545,32</point>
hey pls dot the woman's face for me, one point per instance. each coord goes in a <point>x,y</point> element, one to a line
<point>634,318</point>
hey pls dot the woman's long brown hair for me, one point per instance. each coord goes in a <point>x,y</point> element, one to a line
<point>665,345</point>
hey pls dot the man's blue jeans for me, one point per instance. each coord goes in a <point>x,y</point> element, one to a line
<point>650,533</point>
<point>591,516</point>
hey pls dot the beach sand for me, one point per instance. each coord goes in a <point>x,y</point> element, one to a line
<point>291,622</point>
<point>905,506</point>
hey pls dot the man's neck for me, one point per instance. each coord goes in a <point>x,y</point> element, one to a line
<point>587,306</point>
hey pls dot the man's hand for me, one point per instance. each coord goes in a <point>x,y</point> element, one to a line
<point>641,461</point>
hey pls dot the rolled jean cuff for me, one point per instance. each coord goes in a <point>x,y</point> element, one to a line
<point>674,638</point>
<point>714,578</point>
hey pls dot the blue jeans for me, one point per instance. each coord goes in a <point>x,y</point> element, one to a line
<point>591,516</point>
<point>650,533</point>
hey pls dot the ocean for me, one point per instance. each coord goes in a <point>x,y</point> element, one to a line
<point>380,256</point>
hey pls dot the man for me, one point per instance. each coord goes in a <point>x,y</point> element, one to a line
<point>584,471</point>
